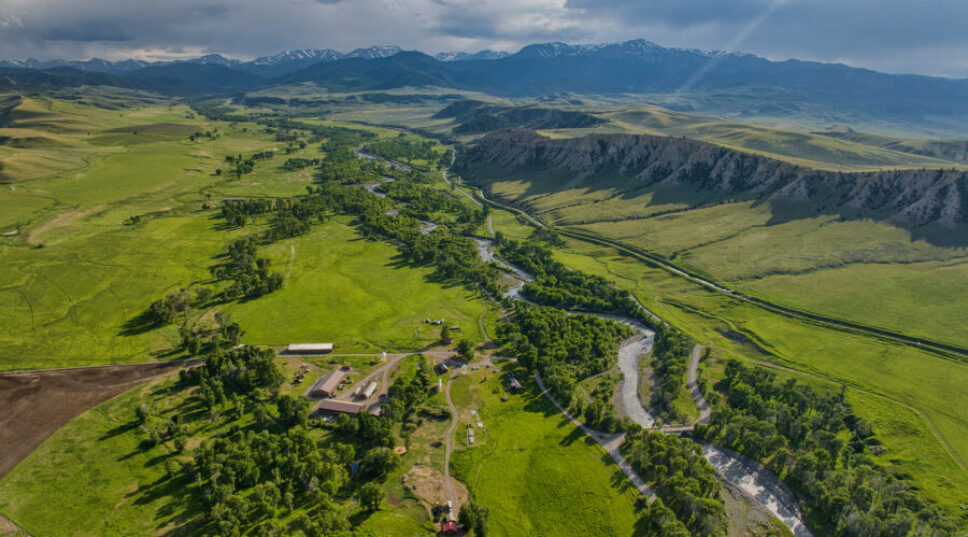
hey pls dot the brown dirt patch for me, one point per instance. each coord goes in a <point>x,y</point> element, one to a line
<point>37,403</point>
<point>427,484</point>
<point>37,234</point>
<point>7,527</point>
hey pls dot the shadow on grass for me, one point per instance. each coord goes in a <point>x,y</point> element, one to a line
<point>120,429</point>
<point>138,325</point>
<point>360,517</point>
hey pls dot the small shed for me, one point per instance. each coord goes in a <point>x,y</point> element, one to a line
<point>309,348</point>
<point>332,406</point>
<point>326,386</point>
<point>449,527</point>
<point>514,385</point>
<point>441,368</point>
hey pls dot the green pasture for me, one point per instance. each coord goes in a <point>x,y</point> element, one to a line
<point>536,472</point>
<point>355,293</point>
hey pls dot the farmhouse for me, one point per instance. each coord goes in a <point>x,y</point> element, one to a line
<point>332,406</point>
<point>309,348</point>
<point>515,385</point>
<point>326,386</point>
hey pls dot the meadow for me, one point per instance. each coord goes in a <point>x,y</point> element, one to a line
<point>536,472</point>
<point>77,275</point>
<point>866,271</point>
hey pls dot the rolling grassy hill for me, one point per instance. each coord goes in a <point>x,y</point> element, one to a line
<point>77,275</point>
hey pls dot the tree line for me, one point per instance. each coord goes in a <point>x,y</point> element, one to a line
<point>821,449</point>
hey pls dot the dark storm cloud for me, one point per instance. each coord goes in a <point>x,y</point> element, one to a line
<point>92,31</point>
<point>676,12</point>
<point>924,36</point>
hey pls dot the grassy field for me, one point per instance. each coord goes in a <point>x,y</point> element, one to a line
<point>535,471</point>
<point>67,302</point>
<point>93,478</point>
<point>866,271</point>
<point>356,293</point>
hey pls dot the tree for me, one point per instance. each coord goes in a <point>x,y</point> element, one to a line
<point>370,496</point>
<point>380,461</point>
<point>445,332</point>
<point>473,517</point>
<point>466,349</point>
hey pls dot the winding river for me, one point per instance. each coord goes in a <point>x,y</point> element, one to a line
<point>750,477</point>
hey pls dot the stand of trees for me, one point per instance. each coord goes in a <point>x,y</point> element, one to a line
<point>669,363</point>
<point>819,447</point>
<point>401,149</point>
<point>556,285</point>
<point>563,348</point>
<point>248,273</point>
<point>677,471</point>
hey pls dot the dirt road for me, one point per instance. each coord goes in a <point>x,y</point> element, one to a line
<point>448,445</point>
<point>693,384</point>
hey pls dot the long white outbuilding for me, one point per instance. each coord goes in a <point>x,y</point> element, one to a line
<point>309,348</point>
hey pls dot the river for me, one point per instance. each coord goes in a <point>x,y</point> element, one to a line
<point>757,482</point>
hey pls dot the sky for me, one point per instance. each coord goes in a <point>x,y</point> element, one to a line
<point>897,36</point>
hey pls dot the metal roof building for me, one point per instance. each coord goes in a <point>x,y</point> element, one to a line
<point>333,406</point>
<point>326,386</point>
<point>309,348</point>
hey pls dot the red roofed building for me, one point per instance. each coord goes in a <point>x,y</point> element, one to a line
<point>448,528</point>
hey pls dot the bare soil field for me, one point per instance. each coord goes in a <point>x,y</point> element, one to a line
<point>37,403</point>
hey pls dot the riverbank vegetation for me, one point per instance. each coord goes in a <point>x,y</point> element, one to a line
<point>821,449</point>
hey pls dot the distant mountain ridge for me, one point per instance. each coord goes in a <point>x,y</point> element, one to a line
<point>910,198</point>
<point>680,79</point>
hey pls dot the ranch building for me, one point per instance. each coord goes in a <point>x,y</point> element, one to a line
<point>326,386</point>
<point>332,406</point>
<point>309,348</point>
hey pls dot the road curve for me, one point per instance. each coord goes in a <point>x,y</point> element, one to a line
<point>693,384</point>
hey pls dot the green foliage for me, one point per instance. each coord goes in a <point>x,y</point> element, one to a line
<point>380,461</point>
<point>473,518</point>
<point>819,447</point>
<point>465,348</point>
<point>657,520</point>
<point>370,495</point>
<point>164,311</point>
<point>556,285</point>
<point>249,273</point>
<point>563,348</point>
<point>670,352</point>
<point>678,472</point>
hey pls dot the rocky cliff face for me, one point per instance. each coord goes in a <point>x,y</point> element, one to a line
<point>909,197</point>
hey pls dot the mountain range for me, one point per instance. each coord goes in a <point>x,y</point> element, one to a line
<point>682,79</point>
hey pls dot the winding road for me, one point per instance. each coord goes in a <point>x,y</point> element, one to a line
<point>693,384</point>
